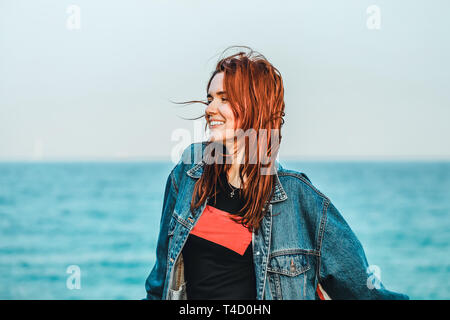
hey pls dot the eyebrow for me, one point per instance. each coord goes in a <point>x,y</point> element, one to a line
<point>217,93</point>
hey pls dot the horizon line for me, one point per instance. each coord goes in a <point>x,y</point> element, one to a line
<point>284,158</point>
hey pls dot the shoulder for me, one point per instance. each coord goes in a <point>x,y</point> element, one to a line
<point>298,183</point>
<point>193,153</point>
<point>191,156</point>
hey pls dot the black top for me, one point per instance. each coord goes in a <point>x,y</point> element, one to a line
<point>218,256</point>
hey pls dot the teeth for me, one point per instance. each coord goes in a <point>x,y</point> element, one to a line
<point>213,123</point>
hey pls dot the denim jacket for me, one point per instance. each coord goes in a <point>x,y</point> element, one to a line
<point>304,249</point>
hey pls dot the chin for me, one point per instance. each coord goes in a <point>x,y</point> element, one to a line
<point>216,140</point>
<point>216,137</point>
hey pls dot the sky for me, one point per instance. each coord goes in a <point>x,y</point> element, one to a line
<point>94,80</point>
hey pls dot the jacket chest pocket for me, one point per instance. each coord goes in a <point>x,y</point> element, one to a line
<point>287,275</point>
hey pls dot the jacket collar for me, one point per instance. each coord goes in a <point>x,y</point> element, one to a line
<point>278,191</point>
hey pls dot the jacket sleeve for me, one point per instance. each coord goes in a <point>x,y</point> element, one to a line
<point>154,284</point>
<point>343,269</point>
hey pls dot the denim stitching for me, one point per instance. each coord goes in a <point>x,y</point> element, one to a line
<point>304,286</point>
<point>277,281</point>
<point>171,230</point>
<point>268,252</point>
<point>294,251</point>
<point>289,274</point>
<point>300,177</point>
<point>323,221</point>
<point>174,182</point>
<point>180,220</point>
<point>273,285</point>
<point>191,172</point>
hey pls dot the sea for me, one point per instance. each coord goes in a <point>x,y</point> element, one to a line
<point>88,230</point>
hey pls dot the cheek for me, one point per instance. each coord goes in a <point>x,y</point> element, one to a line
<point>228,114</point>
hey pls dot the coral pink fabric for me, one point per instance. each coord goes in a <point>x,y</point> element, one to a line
<point>216,226</point>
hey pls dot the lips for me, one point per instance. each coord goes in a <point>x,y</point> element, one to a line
<point>213,123</point>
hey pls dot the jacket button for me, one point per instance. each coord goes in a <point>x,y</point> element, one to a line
<point>292,265</point>
<point>171,260</point>
<point>257,253</point>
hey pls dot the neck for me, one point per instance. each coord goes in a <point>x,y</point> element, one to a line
<point>233,173</point>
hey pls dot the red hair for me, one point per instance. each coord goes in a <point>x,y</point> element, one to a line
<point>256,95</point>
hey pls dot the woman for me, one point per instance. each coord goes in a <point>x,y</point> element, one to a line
<point>235,224</point>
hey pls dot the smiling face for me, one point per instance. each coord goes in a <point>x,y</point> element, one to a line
<point>219,114</point>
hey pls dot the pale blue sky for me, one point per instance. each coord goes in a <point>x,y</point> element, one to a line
<point>103,91</point>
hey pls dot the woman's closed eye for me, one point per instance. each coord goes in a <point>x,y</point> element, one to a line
<point>223,100</point>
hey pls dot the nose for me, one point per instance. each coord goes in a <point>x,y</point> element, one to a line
<point>211,110</point>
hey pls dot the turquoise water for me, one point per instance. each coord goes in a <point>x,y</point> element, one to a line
<point>104,218</point>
